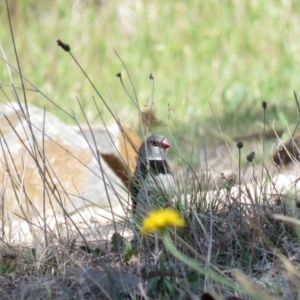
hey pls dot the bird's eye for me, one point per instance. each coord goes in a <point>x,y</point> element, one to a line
<point>154,144</point>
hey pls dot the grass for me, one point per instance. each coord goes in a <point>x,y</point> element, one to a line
<point>232,55</point>
<point>229,54</point>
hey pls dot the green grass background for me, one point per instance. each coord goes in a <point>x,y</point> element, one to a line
<point>231,54</point>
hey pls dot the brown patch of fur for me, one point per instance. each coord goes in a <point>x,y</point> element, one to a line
<point>124,165</point>
<point>288,152</point>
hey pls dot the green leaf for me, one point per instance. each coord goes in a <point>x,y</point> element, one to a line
<point>117,242</point>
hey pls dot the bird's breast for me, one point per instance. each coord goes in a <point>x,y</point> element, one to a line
<point>162,182</point>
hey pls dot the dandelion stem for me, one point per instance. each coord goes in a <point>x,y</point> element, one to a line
<point>206,271</point>
<point>191,263</point>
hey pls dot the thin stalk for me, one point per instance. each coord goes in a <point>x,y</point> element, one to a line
<point>264,105</point>
<point>207,272</point>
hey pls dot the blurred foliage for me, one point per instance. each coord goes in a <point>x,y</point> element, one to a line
<point>231,54</point>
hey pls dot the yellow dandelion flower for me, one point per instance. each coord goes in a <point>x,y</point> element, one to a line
<point>161,218</point>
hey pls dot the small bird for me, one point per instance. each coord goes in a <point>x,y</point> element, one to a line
<point>153,181</point>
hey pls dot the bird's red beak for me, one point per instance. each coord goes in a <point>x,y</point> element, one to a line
<point>165,144</point>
